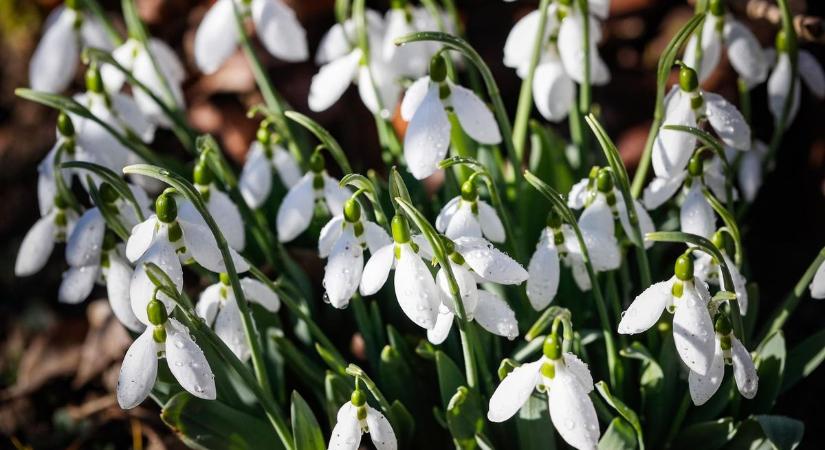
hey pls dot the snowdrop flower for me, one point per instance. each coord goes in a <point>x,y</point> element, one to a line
<point>342,242</point>
<point>729,350</point>
<point>343,62</point>
<point>220,206</point>
<point>817,286</point>
<point>693,331</point>
<point>562,58</point>
<point>708,269</point>
<point>410,60</point>
<point>719,30</point>
<point>265,154</point>
<point>354,419</point>
<point>749,175</point>
<point>163,337</point>
<point>275,24</point>
<point>425,107</point>
<point>466,215</point>
<point>218,306</point>
<point>298,206</point>
<point>809,72</point>
<point>138,59</point>
<point>415,289</point>
<point>567,381</point>
<point>685,105</point>
<point>55,60</point>
<point>38,244</point>
<point>487,309</point>
<point>165,239</point>
<point>696,215</point>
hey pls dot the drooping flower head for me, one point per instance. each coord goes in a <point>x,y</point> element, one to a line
<point>809,72</point>
<point>266,154</point>
<point>355,418</point>
<point>467,215</point>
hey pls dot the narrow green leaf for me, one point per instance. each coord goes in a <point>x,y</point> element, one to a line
<point>449,377</point>
<point>705,435</point>
<point>305,428</point>
<point>804,359</point>
<point>113,179</point>
<point>783,432</point>
<point>770,365</point>
<point>618,436</point>
<point>623,410</point>
<point>325,137</point>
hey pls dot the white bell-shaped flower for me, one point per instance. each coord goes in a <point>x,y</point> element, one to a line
<point>220,206</point>
<point>728,350</point>
<point>298,206</point>
<point>166,72</point>
<point>750,173</point>
<point>66,31</point>
<point>685,104</point>
<point>425,108</point>
<point>218,306</point>
<point>415,289</point>
<point>169,339</point>
<point>692,324</point>
<point>354,419</point>
<point>37,246</point>
<point>721,30</point>
<point>343,62</point>
<point>817,286</point>
<point>276,25</point>
<point>809,72</point>
<point>567,382</point>
<point>342,242</point>
<point>265,154</point>
<point>466,215</point>
<point>544,268</point>
<point>412,59</point>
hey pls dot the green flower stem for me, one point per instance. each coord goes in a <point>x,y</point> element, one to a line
<point>525,98</point>
<point>105,174</point>
<point>700,8</point>
<point>616,369</point>
<point>500,112</point>
<point>788,306</point>
<point>191,193</point>
<point>273,101</point>
<point>615,301</point>
<point>357,372</point>
<point>585,96</point>
<point>322,134</point>
<point>548,317</point>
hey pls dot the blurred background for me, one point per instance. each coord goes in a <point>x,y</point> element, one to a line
<point>59,363</point>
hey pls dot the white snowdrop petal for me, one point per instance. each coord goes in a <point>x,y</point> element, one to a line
<point>571,410</point>
<point>286,166</point>
<point>296,210</point>
<point>646,309</point>
<point>446,214</point>
<point>78,283</point>
<point>491,226</point>
<point>702,387</point>
<point>428,136</point>
<point>381,433</point>
<point>54,61</point>
<point>779,87</point>
<point>258,292</point>
<point>346,435</point>
<point>475,117</point>
<point>228,218</point>
<point>229,327</point>
<point>727,121</point>
<point>645,221</point>
<point>132,117</point>
<point>36,247</point>
<point>187,362</point>
<point>581,276</point>
<point>579,371</point>
<point>544,272</point>
<point>662,189</point>
<point>377,270</point>
<point>745,53</point>
<point>118,277</point>
<point>553,90</point>
<point>740,284</point>
<point>744,371</point>
<point>255,182</point>
<point>672,149</point>
<point>93,33</point>
<point>599,8</point>
<point>141,238</point>
<point>413,97</point>
<point>597,227</point>
<point>495,315</point>
<point>750,175</point>
<point>279,30</point>
<point>489,262</point>
<point>463,223</point>
<point>466,287</point>
<point>342,273</point>
<point>696,215</point>
<point>577,197</point>
<point>693,331</point>
<point>514,391</point>
<point>415,288</point>
<point>332,79</point>
<point>335,43</point>
<point>138,371</point>
<point>711,48</point>
<point>375,236</point>
<point>86,240</point>
<point>216,37</point>
<point>443,324</point>
<point>141,287</point>
<point>517,51</point>
<point>209,303</point>
<point>810,71</point>
<point>201,244</point>
<point>335,196</point>
<point>329,235</point>
<point>384,76</point>
<point>817,286</point>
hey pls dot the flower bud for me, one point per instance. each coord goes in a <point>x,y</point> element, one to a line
<point>316,162</point>
<point>696,165</point>
<point>688,80</point>
<point>358,398</point>
<point>64,125</point>
<point>469,192</point>
<point>166,208</point>
<point>604,181</point>
<point>352,210</point>
<point>156,311</point>
<point>400,229</point>
<point>263,135</point>
<point>683,269</point>
<point>551,347</point>
<point>438,68</point>
<point>718,240</point>
<point>202,174</point>
<point>717,7</point>
<point>94,82</point>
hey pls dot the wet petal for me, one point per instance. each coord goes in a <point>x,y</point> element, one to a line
<point>463,223</point>
<point>329,235</point>
<point>495,315</point>
<point>491,225</point>
<point>377,270</point>
<point>579,371</point>
<point>661,190</point>
<point>747,380</point>
<point>696,215</point>
<point>779,87</point>
<point>201,243</point>
<point>544,272</point>
<point>443,324</point>
<point>413,97</point>
<point>446,214</point>
<point>646,309</point>
<point>228,218</point>
<point>745,53</point>
<point>693,331</point>
<point>672,149</point>
<point>381,433</point>
<point>415,288</point>
<point>428,136</point>
<point>475,117</point>
<point>727,121</point>
<point>518,47</point>
<point>342,273</point>
<point>140,238</point>
<point>466,287</point>
<point>346,435</point>
<point>571,410</point>
<point>141,287</point>
<point>702,387</point>
<point>187,362</point>
<point>118,278</point>
<point>818,283</point>
<point>286,165</point>
<point>229,327</point>
<point>332,80</point>
<point>513,391</point>
<point>54,61</point>
<point>335,196</point>
<point>375,236</point>
<point>489,262</point>
<point>296,210</point>
<point>86,240</point>
<point>209,303</point>
<point>645,222</point>
<point>553,90</point>
<point>78,283</point>
<point>258,292</point>
<point>138,371</point>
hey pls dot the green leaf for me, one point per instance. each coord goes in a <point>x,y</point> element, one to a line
<point>107,175</point>
<point>804,359</point>
<point>651,384</point>
<point>337,391</point>
<point>705,435</point>
<point>464,416</point>
<point>403,421</point>
<point>209,424</point>
<point>325,137</point>
<point>397,187</point>
<point>618,436</point>
<point>770,365</point>
<point>533,425</point>
<point>785,433</point>
<point>305,428</point>
<point>449,377</point>
<point>623,410</point>
<point>109,216</point>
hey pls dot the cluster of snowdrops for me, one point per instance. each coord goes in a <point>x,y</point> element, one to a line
<point>463,268</point>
